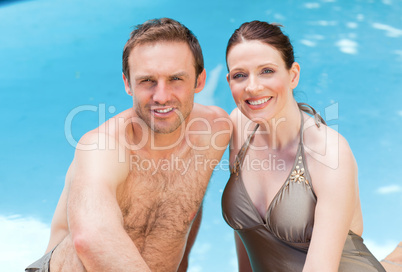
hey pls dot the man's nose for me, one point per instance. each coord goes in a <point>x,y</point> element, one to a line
<point>162,93</point>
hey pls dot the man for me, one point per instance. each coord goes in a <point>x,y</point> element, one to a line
<point>133,193</point>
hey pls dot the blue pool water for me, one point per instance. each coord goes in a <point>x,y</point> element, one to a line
<point>57,55</point>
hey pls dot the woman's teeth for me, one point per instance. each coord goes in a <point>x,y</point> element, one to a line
<point>258,102</point>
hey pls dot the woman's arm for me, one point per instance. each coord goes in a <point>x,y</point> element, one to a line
<point>242,256</point>
<point>336,189</point>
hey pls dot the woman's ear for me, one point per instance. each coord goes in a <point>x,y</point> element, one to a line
<point>228,78</point>
<point>127,86</point>
<point>201,81</point>
<point>294,75</point>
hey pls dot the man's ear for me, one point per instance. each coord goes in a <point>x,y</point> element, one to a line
<point>294,75</point>
<point>201,81</point>
<point>127,85</point>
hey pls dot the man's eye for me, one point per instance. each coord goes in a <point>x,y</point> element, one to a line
<point>176,78</point>
<point>146,80</point>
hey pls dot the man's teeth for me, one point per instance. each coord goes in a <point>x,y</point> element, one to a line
<point>258,102</point>
<point>164,111</point>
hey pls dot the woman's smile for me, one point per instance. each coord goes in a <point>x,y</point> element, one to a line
<point>258,103</point>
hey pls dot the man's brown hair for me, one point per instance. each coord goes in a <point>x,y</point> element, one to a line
<point>164,29</point>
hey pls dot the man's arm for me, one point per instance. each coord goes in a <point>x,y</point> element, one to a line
<point>220,132</point>
<point>59,226</point>
<point>190,241</point>
<point>94,216</point>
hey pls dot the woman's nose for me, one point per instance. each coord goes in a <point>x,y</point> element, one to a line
<point>253,85</point>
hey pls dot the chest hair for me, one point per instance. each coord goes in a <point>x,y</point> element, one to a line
<point>158,202</point>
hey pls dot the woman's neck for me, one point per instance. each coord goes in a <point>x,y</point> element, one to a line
<point>282,131</point>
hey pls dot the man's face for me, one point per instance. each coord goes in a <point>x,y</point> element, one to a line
<point>162,83</point>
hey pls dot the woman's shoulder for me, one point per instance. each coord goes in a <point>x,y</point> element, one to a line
<point>325,145</point>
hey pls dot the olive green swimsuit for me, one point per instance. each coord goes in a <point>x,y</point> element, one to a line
<point>280,240</point>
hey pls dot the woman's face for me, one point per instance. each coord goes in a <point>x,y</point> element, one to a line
<point>261,85</point>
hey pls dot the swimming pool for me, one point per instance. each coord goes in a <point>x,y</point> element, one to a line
<point>58,55</point>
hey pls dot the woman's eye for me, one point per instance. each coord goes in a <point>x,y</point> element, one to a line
<point>239,75</point>
<point>267,71</point>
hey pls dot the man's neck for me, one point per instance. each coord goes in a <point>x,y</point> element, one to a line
<point>161,144</point>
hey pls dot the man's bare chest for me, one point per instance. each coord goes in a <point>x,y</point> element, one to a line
<point>161,197</point>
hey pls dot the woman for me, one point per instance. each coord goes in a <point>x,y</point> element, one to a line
<point>292,197</point>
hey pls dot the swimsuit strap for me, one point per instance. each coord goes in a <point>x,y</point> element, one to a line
<point>303,107</point>
<point>310,110</point>
<point>240,156</point>
<point>301,127</point>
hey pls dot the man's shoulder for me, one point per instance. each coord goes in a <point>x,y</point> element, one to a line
<point>96,157</point>
<point>211,126</point>
<point>104,144</point>
<point>108,132</point>
<point>215,116</point>
<point>209,111</point>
